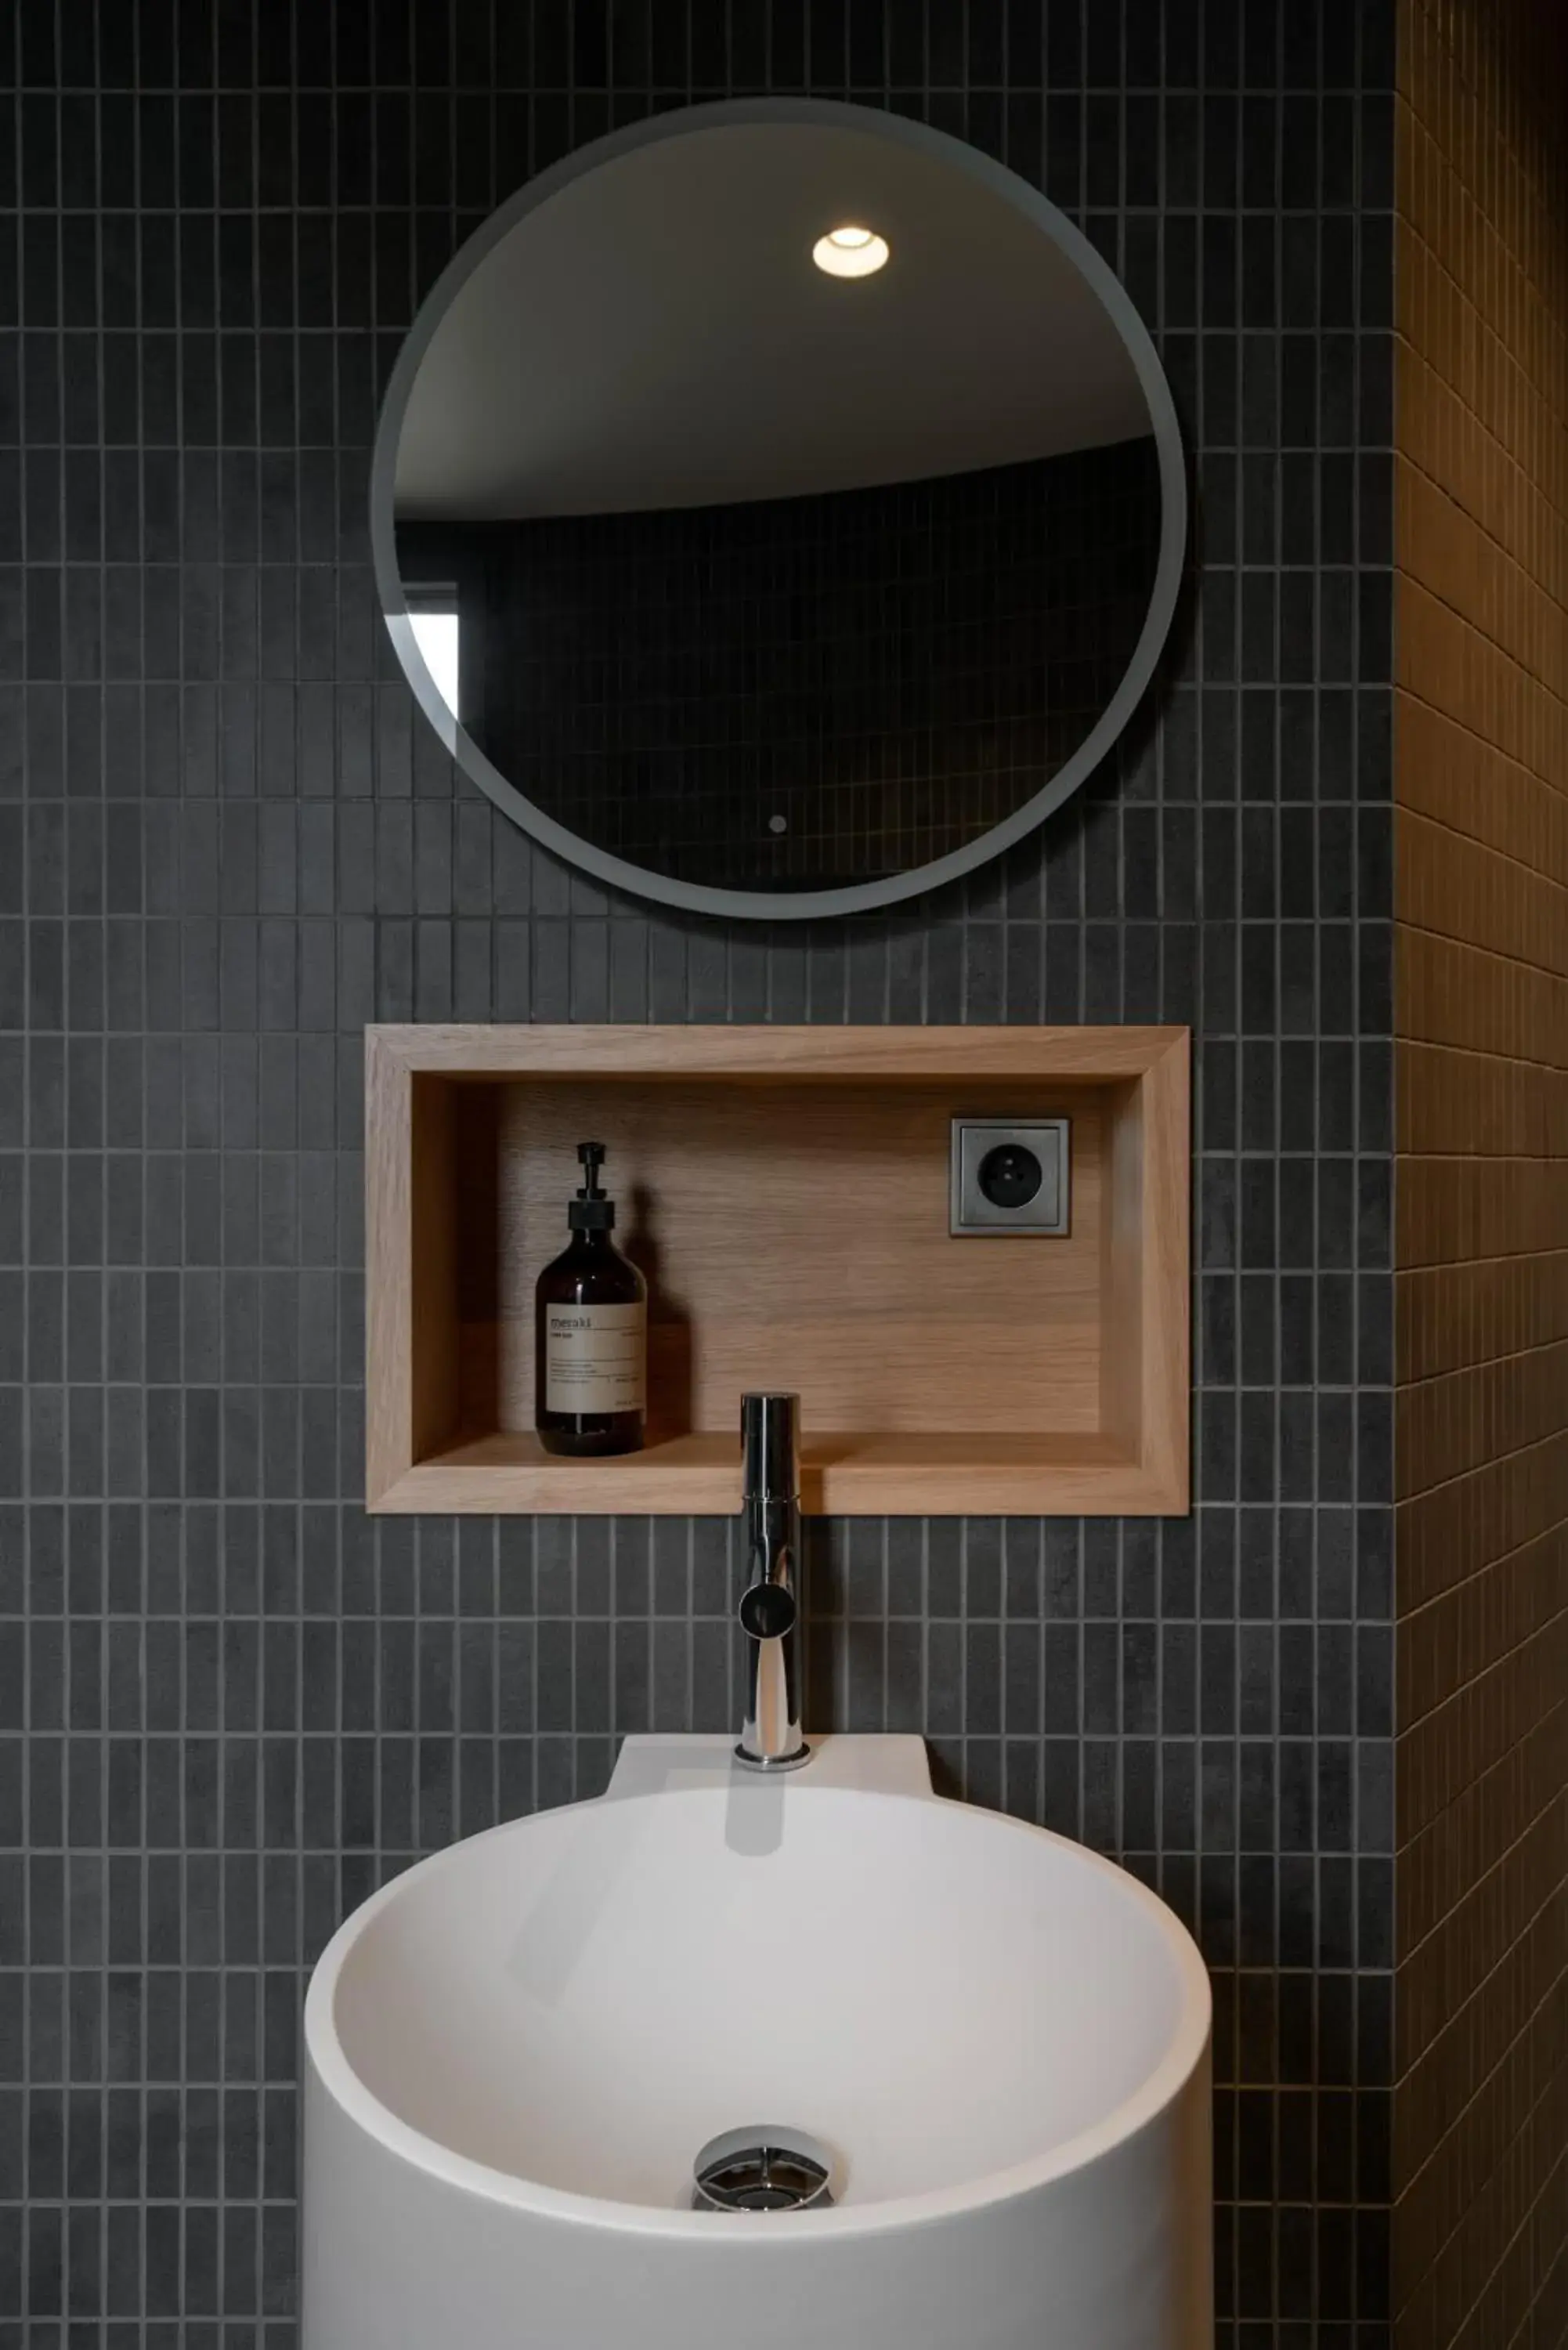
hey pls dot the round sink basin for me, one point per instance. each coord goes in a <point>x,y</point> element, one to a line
<point>994,2042</point>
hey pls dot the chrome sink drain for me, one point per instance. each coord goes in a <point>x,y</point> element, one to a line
<point>761,2170</point>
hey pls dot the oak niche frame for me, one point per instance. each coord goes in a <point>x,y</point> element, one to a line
<point>1123,1448</point>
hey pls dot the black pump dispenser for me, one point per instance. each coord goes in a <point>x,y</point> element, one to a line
<point>590,1212</point>
<point>591,1317</point>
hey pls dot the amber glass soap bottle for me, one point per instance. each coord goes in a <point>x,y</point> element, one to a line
<point>591,1318</point>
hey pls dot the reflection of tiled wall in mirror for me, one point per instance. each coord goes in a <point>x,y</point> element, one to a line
<point>805,691</point>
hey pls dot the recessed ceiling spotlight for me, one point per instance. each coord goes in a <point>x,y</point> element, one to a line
<point>850,252</point>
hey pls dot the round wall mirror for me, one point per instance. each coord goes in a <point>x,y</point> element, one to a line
<point>778,508</point>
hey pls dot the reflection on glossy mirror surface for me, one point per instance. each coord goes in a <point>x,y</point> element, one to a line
<point>436,635</point>
<point>764,579</point>
<point>850,252</point>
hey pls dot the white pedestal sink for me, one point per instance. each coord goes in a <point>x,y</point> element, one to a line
<point>516,2052</point>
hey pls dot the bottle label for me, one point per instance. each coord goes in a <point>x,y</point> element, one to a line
<point>595,1357</point>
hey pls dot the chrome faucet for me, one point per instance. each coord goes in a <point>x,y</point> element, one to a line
<point>771,1736</point>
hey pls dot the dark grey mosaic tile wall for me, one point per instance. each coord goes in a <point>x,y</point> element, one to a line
<point>228,1704</point>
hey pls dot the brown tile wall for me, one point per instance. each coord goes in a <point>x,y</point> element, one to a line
<point>1481,2235</point>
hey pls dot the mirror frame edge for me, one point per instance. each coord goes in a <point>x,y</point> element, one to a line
<point>804,905</point>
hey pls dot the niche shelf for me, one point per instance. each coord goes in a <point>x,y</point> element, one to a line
<point>785,1190</point>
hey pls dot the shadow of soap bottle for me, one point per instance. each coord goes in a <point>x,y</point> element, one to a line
<point>590,1382</point>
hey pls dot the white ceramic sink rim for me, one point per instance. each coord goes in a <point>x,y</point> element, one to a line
<point>1185,2051</point>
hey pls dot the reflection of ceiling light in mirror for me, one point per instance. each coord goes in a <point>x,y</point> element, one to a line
<point>435,633</point>
<point>850,252</point>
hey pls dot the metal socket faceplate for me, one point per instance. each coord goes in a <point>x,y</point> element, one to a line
<point>978,1144</point>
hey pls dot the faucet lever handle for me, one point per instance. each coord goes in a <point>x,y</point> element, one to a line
<point>768,1611</point>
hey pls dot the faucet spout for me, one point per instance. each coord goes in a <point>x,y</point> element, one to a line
<point>771,1737</point>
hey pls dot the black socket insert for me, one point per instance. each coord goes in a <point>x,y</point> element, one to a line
<point>1010,1176</point>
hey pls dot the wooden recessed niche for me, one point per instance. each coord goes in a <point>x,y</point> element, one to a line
<point>785,1191</point>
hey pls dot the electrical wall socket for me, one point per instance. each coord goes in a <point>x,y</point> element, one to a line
<point>1011,1175</point>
